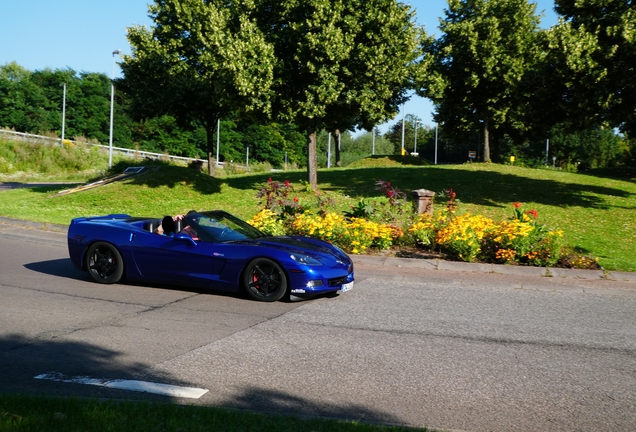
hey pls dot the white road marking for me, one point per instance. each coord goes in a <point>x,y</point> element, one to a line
<point>133,385</point>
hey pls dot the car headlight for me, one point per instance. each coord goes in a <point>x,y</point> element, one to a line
<point>304,259</point>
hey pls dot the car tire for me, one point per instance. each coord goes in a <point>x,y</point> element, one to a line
<point>265,280</point>
<point>104,263</point>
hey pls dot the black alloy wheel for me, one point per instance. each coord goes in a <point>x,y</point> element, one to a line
<point>265,280</point>
<point>104,263</point>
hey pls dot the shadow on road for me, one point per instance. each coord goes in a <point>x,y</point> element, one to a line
<point>59,267</point>
<point>276,401</point>
<point>23,358</point>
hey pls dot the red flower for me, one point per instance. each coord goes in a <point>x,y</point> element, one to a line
<point>517,205</point>
<point>286,183</point>
<point>296,199</point>
<point>269,180</point>
<point>533,212</point>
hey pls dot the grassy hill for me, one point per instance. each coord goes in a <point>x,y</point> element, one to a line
<point>595,210</point>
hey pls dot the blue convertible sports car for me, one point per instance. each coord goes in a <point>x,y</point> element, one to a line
<point>221,253</point>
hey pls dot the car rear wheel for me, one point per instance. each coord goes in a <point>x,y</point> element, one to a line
<point>265,280</point>
<point>104,263</point>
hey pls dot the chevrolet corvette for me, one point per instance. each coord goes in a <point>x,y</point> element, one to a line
<point>211,250</point>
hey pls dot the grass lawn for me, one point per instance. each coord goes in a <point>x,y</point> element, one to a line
<point>30,413</point>
<point>595,210</point>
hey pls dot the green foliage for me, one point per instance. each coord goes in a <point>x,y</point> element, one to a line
<point>597,40</point>
<point>163,135</point>
<point>363,209</point>
<point>72,162</point>
<point>473,72</point>
<point>594,148</point>
<point>364,145</point>
<point>276,198</point>
<point>273,143</point>
<point>22,103</point>
<point>208,58</point>
<point>340,64</point>
<point>32,102</point>
<point>425,137</point>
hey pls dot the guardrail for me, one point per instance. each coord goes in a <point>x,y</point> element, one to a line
<point>132,153</point>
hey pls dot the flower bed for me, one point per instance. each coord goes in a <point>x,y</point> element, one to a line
<point>393,224</point>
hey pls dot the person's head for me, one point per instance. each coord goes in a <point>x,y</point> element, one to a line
<point>167,223</point>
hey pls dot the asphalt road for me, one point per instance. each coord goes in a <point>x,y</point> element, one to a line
<point>409,345</point>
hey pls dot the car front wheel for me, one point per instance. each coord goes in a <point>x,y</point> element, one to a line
<point>265,280</point>
<point>104,263</point>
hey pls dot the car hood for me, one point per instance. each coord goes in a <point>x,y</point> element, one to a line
<point>318,249</point>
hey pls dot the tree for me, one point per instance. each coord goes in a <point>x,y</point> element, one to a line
<point>394,134</point>
<point>341,63</point>
<point>201,61</point>
<point>274,143</point>
<point>364,145</point>
<point>163,135</point>
<point>601,33</point>
<point>592,148</point>
<point>473,72</point>
<point>22,103</point>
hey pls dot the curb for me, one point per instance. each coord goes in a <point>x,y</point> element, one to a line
<point>428,264</point>
<point>44,226</point>
<point>437,264</point>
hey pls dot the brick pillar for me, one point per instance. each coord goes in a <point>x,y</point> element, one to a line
<point>423,200</point>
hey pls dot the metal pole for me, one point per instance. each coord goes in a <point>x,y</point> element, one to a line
<point>373,142</point>
<point>403,110</point>
<point>547,147</point>
<point>247,157</point>
<point>112,109</point>
<point>218,135</point>
<point>63,112</point>
<point>436,128</point>
<point>415,145</point>
<point>329,151</point>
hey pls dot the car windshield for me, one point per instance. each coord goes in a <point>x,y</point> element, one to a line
<point>221,226</point>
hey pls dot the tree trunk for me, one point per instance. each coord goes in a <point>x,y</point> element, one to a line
<point>312,159</point>
<point>486,142</point>
<point>494,147</point>
<point>338,162</point>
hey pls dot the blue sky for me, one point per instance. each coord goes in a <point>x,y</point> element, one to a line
<point>82,34</point>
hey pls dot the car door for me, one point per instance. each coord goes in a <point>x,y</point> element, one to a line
<point>174,260</point>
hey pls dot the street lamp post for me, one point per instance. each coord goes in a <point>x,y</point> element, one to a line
<point>415,145</point>
<point>436,128</point>
<point>112,106</point>
<point>218,140</point>
<point>403,111</point>
<point>373,141</point>
<point>63,112</point>
<point>329,150</point>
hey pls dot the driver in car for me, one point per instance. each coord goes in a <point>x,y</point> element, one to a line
<point>168,227</point>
